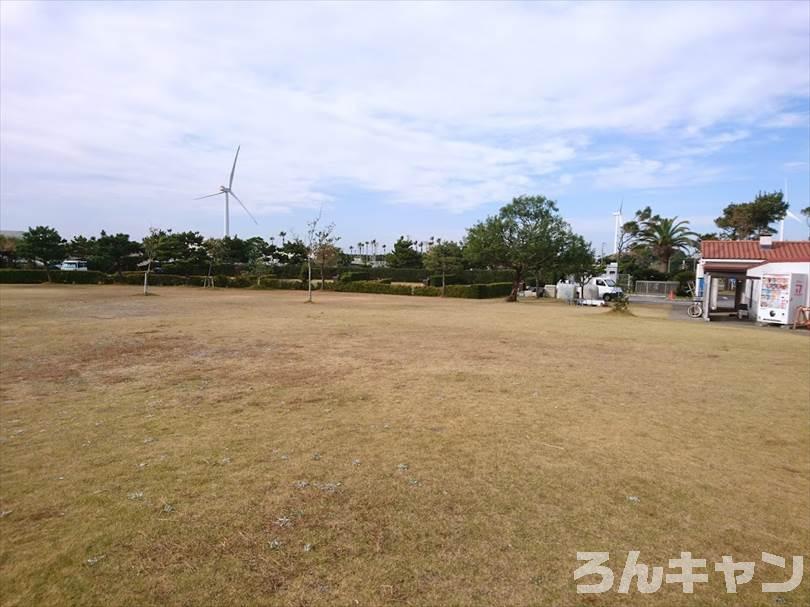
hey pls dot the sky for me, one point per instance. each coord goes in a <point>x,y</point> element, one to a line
<point>397,118</point>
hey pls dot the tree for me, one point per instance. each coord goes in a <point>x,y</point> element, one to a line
<point>318,239</point>
<point>747,220</point>
<point>577,259</point>
<point>445,257</point>
<point>665,236</point>
<point>293,251</point>
<point>82,247</point>
<point>404,255</point>
<point>153,245</point>
<point>112,249</point>
<point>806,212</point>
<point>8,249</point>
<point>43,244</point>
<point>525,235</point>
<point>327,254</point>
<point>326,249</point>
<point>215,253</point>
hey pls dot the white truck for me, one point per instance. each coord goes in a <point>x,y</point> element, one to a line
<point>73,265</point>
<point>598,287</point>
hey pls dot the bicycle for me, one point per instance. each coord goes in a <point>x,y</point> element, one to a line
<point>695,309</point>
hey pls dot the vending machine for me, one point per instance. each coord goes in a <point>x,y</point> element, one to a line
<point>779,297</point>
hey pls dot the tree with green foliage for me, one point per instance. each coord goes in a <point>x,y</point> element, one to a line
<point>42,244</point>
<point>293,251</point>
<point>651,236</point>
<point>525,235</point>
<point>577,259</point>
<point>665,236</point>
<point>82,247</point>
<point>747,220</point>
<point>445,258</point>
<point>112,249</point>
<point>806,212</point>
<point>404,255</point>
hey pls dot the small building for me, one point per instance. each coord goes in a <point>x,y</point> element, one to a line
<point>730,272</point>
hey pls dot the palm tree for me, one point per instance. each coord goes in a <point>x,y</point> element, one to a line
<point>282,234</point>
<point>665,236</point>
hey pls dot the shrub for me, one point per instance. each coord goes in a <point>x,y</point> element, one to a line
<point>684,277</point>
<point>450,279</point>
<point>479,291</point>
<point>282,283</point>
<point>40,276</point>
<point>427,291</point>
<point>81,278</point>
<point>23,277</point>
<point>354,276</point>
<point>621,304</point>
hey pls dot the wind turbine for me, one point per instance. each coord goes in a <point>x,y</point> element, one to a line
<point>229,192</point>
<point>617,226</point>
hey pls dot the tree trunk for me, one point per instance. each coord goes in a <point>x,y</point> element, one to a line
<point>47,271</point>
<point>443,280</point>
<point>309,280</point>
<point>146,278</point>
<point>515,285</point>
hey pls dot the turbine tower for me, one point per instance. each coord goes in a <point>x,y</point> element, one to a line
<point>228,191</point>
<point>617,226</point>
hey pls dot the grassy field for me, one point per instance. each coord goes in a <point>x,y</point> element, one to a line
<point>242,447</point>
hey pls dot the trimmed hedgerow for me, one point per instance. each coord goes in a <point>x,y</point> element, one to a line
<point>354,276</point>
<point>23,277</point>
<point>282,283</point>
<point>450,279</point>
<point>39,276</point>
<point>370,286</point>
<point>479,291</point>
<point>427,291</point>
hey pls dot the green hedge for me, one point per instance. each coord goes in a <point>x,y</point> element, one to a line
<point>473,291</point>
<point>354,276</point>
<point>22,277</point>
<point>57,276</point>
<point>479,291</point>
<point>282,283</point>
<point>450,279</point>
<point>369,286</point>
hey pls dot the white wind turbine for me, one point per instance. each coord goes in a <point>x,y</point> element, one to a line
<point>788,213</point>
<point>617,215</point>
<point>229,192</point>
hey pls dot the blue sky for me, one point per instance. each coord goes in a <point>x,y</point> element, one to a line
<point>397,118</point>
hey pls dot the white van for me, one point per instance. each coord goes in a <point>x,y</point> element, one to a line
<point>73,265</point>
<point>596,288</point>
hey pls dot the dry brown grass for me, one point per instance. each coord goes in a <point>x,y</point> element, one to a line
<point>467,449</point>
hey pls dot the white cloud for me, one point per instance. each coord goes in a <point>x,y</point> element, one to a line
<point>128,106</point>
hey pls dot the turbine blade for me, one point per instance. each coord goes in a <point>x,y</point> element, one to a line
<point>209,195</point>
<point>793,216</point>
<point>244,207</point>
<point>230,183</point>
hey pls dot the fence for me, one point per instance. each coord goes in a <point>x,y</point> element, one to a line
<point>655,288</point>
